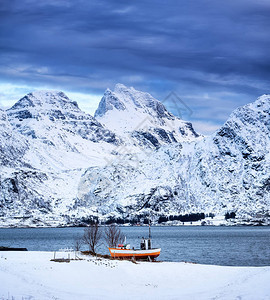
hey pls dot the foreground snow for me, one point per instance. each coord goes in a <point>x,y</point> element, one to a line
<point>31,275</point>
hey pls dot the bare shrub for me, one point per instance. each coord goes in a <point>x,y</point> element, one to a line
<point>92,237</point>
<point>78,244</point>
<point>113,236</point>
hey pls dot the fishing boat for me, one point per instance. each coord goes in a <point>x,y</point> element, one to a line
<point>146,252</point>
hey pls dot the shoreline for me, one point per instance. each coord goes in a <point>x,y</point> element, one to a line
<point>143,225</point>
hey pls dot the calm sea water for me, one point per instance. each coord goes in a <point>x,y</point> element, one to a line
<point>231,246</point>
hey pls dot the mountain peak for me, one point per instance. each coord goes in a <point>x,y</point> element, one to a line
<point>46,100</point>
<point>127,98</point>
<point>121,87</point>
<point>108,102</point>
<point>252,111</point>
<point>128,111</point>
<point>51,118</point>
<point>263,100</point>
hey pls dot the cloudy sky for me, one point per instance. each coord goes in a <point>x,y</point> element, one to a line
<point>213,54</point>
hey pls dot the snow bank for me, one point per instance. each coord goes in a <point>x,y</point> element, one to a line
<point>31,275</point>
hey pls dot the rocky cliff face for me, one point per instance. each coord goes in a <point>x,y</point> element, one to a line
<point>60,165</point>
<point>12,145</point>
<point>141,119</point>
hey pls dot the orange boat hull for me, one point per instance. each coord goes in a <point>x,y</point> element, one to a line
<point>135,254</point>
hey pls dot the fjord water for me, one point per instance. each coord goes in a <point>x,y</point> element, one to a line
<point>227,246</point>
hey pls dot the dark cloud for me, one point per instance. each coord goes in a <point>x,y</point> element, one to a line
<point>193,47</point>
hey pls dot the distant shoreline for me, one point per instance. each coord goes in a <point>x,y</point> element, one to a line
<point>120,225</point>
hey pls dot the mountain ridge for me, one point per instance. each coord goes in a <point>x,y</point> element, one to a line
<point>58,171</point>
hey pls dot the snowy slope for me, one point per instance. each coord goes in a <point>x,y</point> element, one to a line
<point>141,119</point>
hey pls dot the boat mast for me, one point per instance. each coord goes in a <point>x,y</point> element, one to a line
<point>149,228</point>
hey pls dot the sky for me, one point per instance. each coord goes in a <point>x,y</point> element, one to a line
<point>213,55</point>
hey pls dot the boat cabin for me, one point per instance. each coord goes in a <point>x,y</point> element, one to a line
<point>145,244</point>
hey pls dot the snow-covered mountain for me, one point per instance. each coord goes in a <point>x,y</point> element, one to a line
<point>52,115</point>
<point>46,142</point>
<point>61,135</point>
<point>141,119</point>
<point>60,165</point>
<point>226,172</point>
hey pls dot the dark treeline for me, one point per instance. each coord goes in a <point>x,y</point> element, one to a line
<point>230,215</point>
<point>90,220</point>
<point>143,219</point>
<point>182,218</point>
<point>133,220</point>
<point>112,220</point>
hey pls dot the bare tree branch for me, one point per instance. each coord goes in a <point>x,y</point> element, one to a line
<point>78,244</point>
<point>113,236</point>
<point>92,237</point>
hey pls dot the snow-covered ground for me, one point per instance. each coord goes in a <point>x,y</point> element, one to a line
<point>31,275</point>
